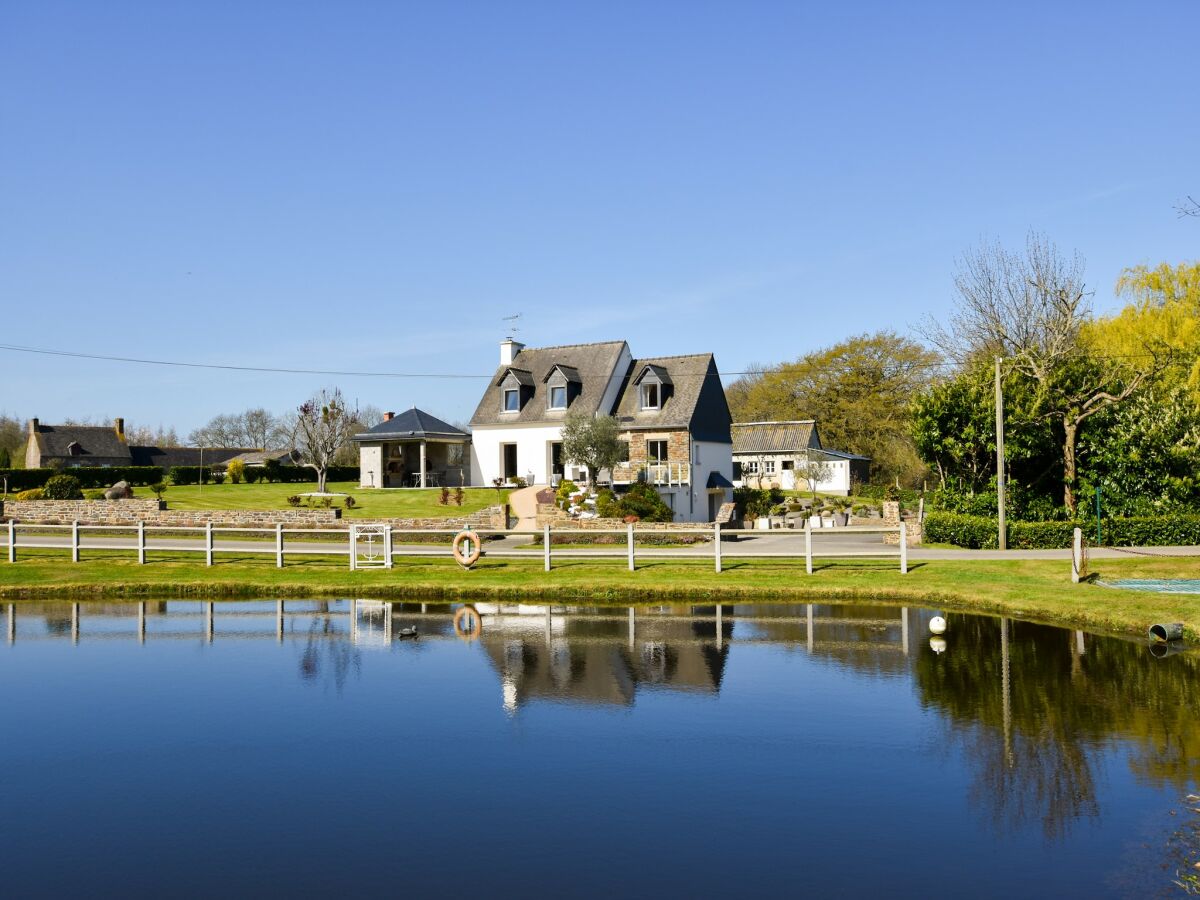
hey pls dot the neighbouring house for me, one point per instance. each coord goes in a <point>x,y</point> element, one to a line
<point>781,454</point>
<point>672,413</point>
<point>72,446</point>
<point>413,449</point>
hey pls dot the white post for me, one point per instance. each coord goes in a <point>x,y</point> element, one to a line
<point>387,617</point>
<point>629,535</point>
<point>209,625</point>
<point>631,628</point>
<point>142,622</point>
<point>12,540</point>
<point>208,543</point>
<point>809,629</point>
<point>720,627</point>
<point>422,463</point>
<point>141,542</point>
<point>717,547</point>
<point>387,550</point>
<point>903,549</point>
<point>75,541</point>
<point>354,621</point>
<point>75,623</point>
<point>279,621</point>
<point>808,545</point>
<point>546,545</point>
<point>12,623</point>
<point>1077,556</point>
<point>279,545</point>
<point>353,547</point>
<point>904,629</point>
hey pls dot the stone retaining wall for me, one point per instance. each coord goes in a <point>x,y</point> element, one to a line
<point>130,512</point>
<point>551,514</point>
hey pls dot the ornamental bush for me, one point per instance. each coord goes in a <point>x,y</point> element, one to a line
<point>31,494</point>
<point>236,470</point>
<point>62,487</point>
<point>980,533</point>
<point>643,501</point>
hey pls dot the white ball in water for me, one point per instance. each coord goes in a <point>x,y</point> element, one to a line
<point>937,625</point>
<point>937,644</point>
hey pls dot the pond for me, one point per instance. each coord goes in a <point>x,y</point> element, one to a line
<point>308,748</point>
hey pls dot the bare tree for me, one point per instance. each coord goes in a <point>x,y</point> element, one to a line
<point>813,470</point>
<point>323,424</point>
<point>145,436</point>
<point>1031,309</point>
<point>1189,207</point>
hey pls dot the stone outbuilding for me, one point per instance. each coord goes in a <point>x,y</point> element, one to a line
<point>413,449</point>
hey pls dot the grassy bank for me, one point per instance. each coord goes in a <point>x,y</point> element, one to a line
<point>1029,589</point>
<point>369,502</point>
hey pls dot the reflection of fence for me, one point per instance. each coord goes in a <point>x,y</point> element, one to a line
<point>435,542</point>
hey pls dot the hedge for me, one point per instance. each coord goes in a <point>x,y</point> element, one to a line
<point>88,476</point>
<point>980,532</point>
<point>285,474</point>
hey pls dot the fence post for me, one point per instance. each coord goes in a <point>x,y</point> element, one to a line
<point>629,535</point>
<point>808,545</point>
<point>141,542</point>
<point>12,540</point>
<point>903,549</point>
<point>75,541</point>
<point>208,543</point>
<point>717,547</point>
<point>279,545</point>
<point>546,545</point>
<point>387,548</point>
<point>1077,556</point>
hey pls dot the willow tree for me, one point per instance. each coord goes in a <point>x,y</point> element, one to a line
<point>1033,309</point>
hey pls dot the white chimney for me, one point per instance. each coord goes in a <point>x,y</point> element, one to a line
<point>509,350</point>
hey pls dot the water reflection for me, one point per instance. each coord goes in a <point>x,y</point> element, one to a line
<point>1032,711</point>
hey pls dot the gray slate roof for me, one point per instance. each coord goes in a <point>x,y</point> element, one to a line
<point>167,457</point>
<point>594,364</point>
<point>93,440</point>
<point>413,424</point>
<point>775,437</point>
<point>695,398</point>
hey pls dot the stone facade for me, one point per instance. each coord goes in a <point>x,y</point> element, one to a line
<point>679,452</point>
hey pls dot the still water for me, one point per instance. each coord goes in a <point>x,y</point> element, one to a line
<point>308,748</point>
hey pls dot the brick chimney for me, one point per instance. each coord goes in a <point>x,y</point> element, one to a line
<point>33,426</point>
<point>388,416</point>
<point>119,428</point>
<point>509,349</point>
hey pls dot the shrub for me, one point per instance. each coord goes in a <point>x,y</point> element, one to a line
<point>978,532</point>
<point>892,494</point>
<point>236,470</point>
<point>5,458</point>
<point>444,496</point>
<point>159,489</point>
<point>271,470</point>
<point>217,477</point>
<point>31,494</point>
<point>88,476</point>
<point>459,496</point>
<point>190,474</point>
<point>293,500</point>
<point>606,504</point>
<point>253,474</point>
<point>326,502</point>
<point>93,494</point>
<point>565,489</point>
<point>520,482</point>
<point>755,503</point>
<point>350,502</point>
<point>643,501</point>
<point>62,487</point>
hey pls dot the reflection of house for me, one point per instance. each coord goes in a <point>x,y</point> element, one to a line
<point>597,662</point>
<point>781,454</point>
<point>413,449</point>
<point>671,410</point>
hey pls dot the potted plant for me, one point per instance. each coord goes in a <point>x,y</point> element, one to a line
<point>841,517</point>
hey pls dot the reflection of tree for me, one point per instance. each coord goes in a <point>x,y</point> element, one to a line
<point>1032,748</point>
<point>328,652</point>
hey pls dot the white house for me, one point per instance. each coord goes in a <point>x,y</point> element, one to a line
<point>672,413</point>
<point>780,454</point>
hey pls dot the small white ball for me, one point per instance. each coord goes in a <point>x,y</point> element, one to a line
<point>937,625</point>
<point>937,644</point>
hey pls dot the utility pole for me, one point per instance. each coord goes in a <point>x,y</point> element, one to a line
<point>1000,460</point>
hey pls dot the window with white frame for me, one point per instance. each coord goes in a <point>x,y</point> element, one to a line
<point>558,397</point>
<point>769,467</point>
<point>512,400</point>
<point>750,467</point>
<point>650,396</point>
<point>656,451</point>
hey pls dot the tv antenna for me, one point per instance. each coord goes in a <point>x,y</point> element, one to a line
<point>513,324</point>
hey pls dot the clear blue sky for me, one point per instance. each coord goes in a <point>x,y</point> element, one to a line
<point>374,185</point>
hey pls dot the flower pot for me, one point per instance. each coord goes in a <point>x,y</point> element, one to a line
<point>842,519</point>
<point>762,524</point>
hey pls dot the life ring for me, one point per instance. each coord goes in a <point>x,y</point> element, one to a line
<point>468,559</point>
<point>468,624</point>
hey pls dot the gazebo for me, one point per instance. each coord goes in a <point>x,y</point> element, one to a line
<point>413,450</point>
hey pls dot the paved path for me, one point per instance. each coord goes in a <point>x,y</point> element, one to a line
<point>523,503</point>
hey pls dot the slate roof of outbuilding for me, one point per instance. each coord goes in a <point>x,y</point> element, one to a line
<point>695,400</point>
<point>167,457</point>
<point>594,363</point>
<point>412,424</point>
<point>93,440</point>
<point>775,437</point>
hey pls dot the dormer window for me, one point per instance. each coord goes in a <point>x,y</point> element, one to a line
<point>516,387</point>
<point>512,400</point>
<point>558,397</point>
<point>650,396</point>
<point>563,385</point>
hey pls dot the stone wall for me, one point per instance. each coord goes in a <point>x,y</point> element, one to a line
<point>679,450</point>
<point>550,514</point>
<point>130,512</point>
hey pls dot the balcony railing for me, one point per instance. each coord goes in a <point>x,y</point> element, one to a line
<point>663,474</point>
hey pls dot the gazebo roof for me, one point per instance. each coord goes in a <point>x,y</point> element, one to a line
<point>413,424</point>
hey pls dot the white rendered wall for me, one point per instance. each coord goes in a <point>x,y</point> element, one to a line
<point>370,461</point>
<point>533,453</point>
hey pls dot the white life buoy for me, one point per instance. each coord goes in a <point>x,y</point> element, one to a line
<point>467,557</point>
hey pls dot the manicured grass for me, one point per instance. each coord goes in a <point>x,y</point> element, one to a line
<point>369,502</point>
<point>1028,589</point>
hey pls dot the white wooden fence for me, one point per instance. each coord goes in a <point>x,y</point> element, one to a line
<point>273,542</point>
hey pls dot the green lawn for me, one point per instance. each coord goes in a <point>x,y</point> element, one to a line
<point>370,502</point>
<point>1029,589</point>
